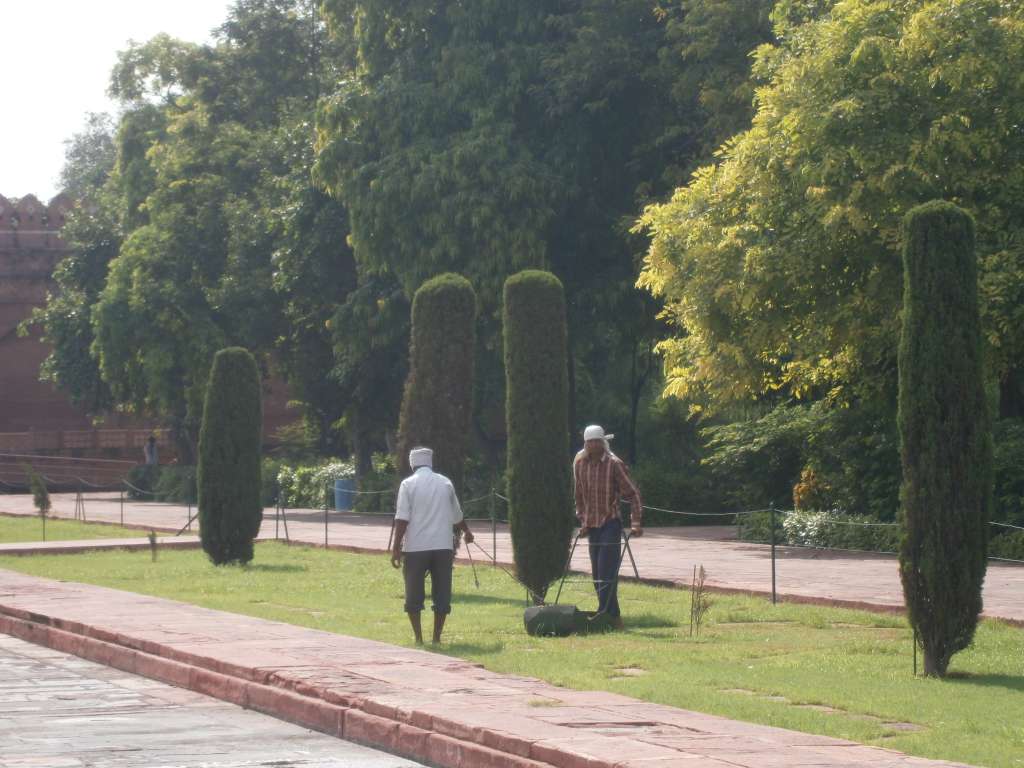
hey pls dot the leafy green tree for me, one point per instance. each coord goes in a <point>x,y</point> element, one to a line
<point>438,401</point>
<point>779,266</point>
<point>945,441</point>
<point>539,473</point>
<point>228,471</point>
<point>370,333</point>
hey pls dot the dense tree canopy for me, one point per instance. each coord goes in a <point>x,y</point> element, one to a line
<point>288,187</point>
<point>779,265</point>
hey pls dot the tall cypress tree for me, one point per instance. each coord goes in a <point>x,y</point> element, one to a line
<point>228,473</point>
<point>539,472</point>
<point>438,400</point>
<point>945,441</point>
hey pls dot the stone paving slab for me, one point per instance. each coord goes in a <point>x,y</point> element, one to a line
<point>59,711</point>
<point>665,555</point>
<point>426,706</point>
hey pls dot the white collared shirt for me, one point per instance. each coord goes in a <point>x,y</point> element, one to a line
<point>427,501</point>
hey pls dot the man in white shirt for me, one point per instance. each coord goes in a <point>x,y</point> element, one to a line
<point>428,513</point>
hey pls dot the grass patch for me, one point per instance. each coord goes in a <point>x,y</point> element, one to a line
<point>14,530</point>
<point>820,670</point>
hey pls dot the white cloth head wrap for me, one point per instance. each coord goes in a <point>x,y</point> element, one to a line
<point>421,457</point>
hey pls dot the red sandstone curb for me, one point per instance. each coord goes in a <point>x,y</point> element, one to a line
<point>63,548</point>
<point>409,733</point>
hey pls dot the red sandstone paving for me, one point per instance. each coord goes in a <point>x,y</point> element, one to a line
<point>418,702</point>
<point>665,554</point>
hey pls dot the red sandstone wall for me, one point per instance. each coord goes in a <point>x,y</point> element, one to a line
<point>30,247</point>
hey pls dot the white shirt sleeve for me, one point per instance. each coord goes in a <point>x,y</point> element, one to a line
<point>456,507</point>
<point>403,509</point>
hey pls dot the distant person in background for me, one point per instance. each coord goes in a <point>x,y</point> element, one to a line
<point>601,480</point>
<point>150,452</point>
<point>427,517</point>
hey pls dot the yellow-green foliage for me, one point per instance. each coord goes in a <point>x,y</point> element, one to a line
<point>779,266</point>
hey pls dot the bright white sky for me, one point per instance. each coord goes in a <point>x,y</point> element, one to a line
<point>56,59</point>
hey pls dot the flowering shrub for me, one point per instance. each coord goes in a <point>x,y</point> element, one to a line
<point>311,487</point>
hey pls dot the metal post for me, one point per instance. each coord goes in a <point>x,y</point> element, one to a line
<point>771,509</point>
<point>188,511</point>
<point>494,529</point>
<point>122,505</point>
<point>325,521</point>
<point>915,651</point>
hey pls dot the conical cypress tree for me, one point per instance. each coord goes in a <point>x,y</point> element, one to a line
<point>945,442</point>
<point>228,473</point>
<point>539,470</point>
<point>438,399</point>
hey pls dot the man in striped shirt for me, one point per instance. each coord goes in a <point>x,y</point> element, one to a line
<point>602,479</point>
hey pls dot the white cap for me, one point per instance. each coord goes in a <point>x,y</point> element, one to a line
<point>594,432</point>
<point>421,457</point>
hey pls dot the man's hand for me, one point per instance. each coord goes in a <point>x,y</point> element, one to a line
<point>468,536</point>
<point>636,530</point>
<point>396,558</point>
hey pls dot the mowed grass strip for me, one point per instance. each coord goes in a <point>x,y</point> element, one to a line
<point>820,670</point>
<point>14,530</point>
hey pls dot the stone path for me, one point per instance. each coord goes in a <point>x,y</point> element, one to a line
<point>663,554</point>
<point>59,711</point>
<point>434,708</point>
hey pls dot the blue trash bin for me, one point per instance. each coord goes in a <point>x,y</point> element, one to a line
<point>344,494</point>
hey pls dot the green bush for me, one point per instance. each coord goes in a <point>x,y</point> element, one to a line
<point>271,468</point>
<point>142,480</point>
<point>229,458</point>
<point>438,399</point>
<point>1008,546</point>
<point>176,484</point>
<point>1008,469</point>
<point>945,439</point>
<point>537,392</point>
<point>378,486</point>
<point>311,486</point>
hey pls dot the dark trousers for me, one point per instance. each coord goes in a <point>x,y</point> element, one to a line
<point>604,565</point>
<point>415,567</point>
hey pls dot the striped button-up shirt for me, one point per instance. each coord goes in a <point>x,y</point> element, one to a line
<point>600,484</point>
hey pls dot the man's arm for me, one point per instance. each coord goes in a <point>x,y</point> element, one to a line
<point>458,521</point>
<point>396,546</point>
<point>581,508</point>
<point>629,492</point>
<point>403,512</point>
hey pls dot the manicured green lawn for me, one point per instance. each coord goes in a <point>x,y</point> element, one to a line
<point>21,529</point>
<point>779,665</point>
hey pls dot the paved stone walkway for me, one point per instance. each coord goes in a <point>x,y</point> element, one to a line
<point>431,707</point>
<point>663,554</point>
<point>59,711</point>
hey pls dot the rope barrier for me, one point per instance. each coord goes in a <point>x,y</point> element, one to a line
<point>139,490</point>
<point>1006,525</point>
<point>707,514</point>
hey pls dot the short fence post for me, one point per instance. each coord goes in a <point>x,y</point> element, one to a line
<point>771,509</point>
<point>277,509</point>
<point>188,511</point>
<point>915,651</point>
<point>494,529</point>
<point>122,505</point>
<point>325,520</point>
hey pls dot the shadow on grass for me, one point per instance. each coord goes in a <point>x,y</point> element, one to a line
<point>478,599</point>
<point>459,649</point>
<point>1010,682</point>
<point>274,568</point>
<point>649,621</point>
